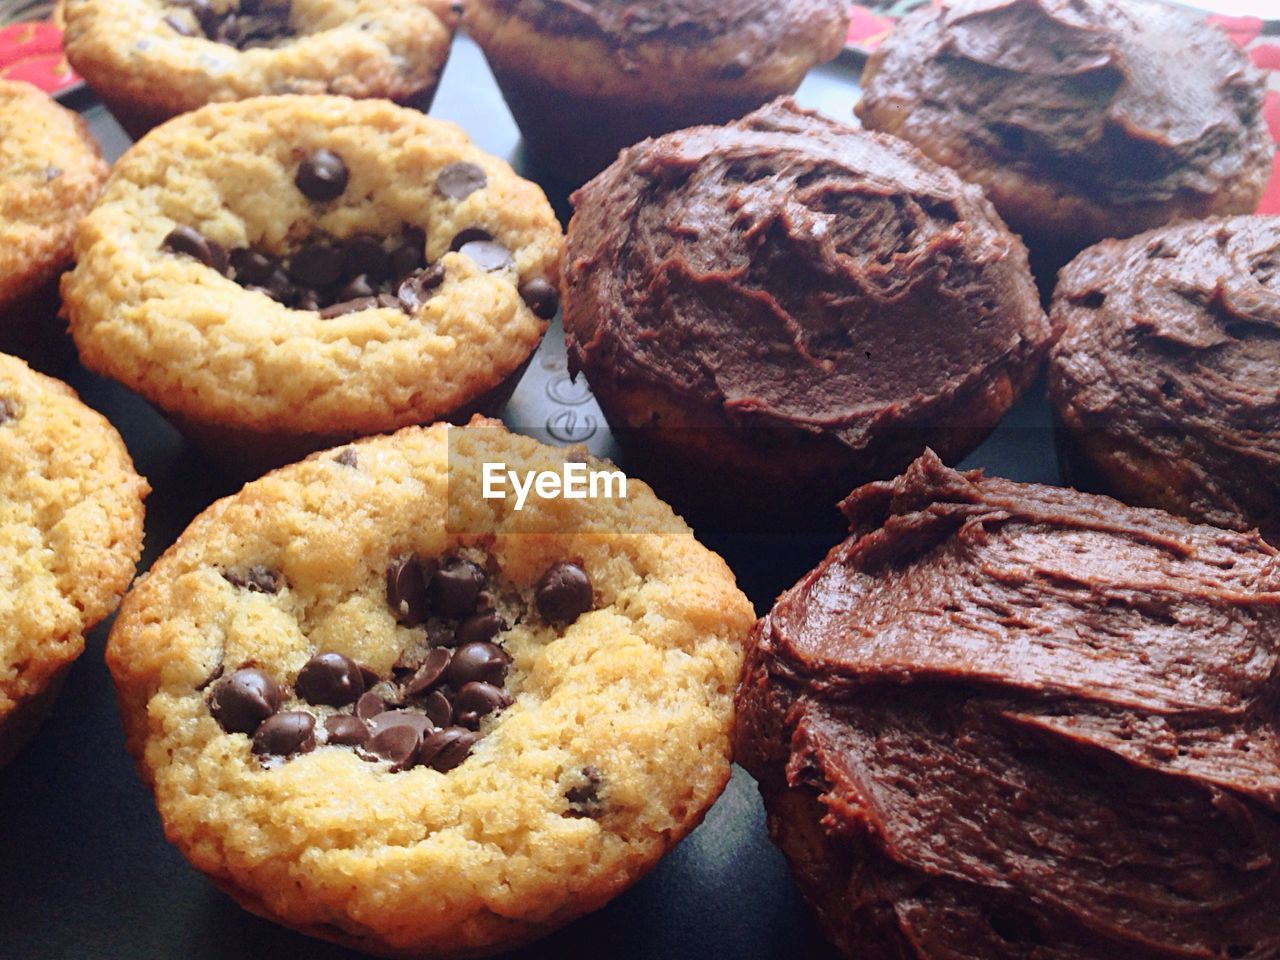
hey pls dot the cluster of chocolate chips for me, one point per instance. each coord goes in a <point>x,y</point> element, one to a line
<point>251,23</point>
<point>362,272</point>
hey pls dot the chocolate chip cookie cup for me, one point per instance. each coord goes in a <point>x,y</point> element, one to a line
<point>149,60</point>
<point>584,80</point>
<point>70,535</point>
<point>50,174</point>
<point>421,743</point>
<point>281,274</point>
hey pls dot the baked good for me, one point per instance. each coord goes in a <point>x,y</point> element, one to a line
<point>772,311</point>
<point>1167,376</point>
<point>70,534</point>
<point>1081,120</point>
<point>283,273</point>
<point>1005,720</point>
<point>149,60</point>
<point>422,723</point>
<point>50,174</point>
<point>585,78</point>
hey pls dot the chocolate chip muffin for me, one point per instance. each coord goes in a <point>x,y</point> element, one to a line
<point>1082,120</point>
<point>585,79</point>
<point>398,718</point>
<point>1167,376</point>
<point>282,273</point>
<point>70,534</point>
<point>149,60</point>
<point>1008,721</point>
<point>50,174</point>
<point>774,310</point>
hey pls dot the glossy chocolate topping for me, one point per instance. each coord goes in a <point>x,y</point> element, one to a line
<point>1039,723</point>
<point>1172,347</point>
<point>788,270</point>
<point>1125,101</point>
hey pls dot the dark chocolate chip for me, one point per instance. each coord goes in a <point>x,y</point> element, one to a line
<point>476,700</point>
<point>209,680</point>
<point>348,306</point>
<point>407,591</point>
<point>399,718</point>
<point>307,300</point>
<point>388,301</point>
<point>454,588</point>
<point>468,235</point>
<point>584,798</point>
<point>230,31</point>
<point>432,669</point>
<point>330,678</point>
<point>8,410</point>
<point>244,698</point>
<point>369,706</point>
<point>346,731</point>
<point>416,288</point>
<point>293,731</point>
<point>251,267</point>
<point>181,27</point>
<point>370,678</point>
<point>316,265</point>
<point>256,579</point>
<point>356,288</point>
<point>364,256</point>
<point>540,297</point>
<point>347,457</point>
<point>489,255</point>
<point>408,255</point>
<point>459,180</point>
<point>479,628</point>
<point>322,176</point>
<point>478,661</point>
<point>278,287</point>
<point>445,749</point>
<point>192,243</point>
<point>563,593</point>
<point>438,708</point>
<point>399,744</point>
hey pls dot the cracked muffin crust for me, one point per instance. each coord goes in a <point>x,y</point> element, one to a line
<point>302,679</point>
<point>283,273</point>
<point>70,535</point>
<point>149,60</point>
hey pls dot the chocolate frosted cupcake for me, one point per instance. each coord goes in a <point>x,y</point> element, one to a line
<point>1167,376</point>
<point>1081,120</point>
<point>585,78</point>
<point>375,711</point>
<point>149,60</point>
<point>70,534</point>
<point>50,174</point>
<point>772,311</point>
<point>283,273</point>
<point>1014,721</point>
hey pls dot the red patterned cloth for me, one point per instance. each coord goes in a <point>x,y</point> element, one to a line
<point>33,52</point>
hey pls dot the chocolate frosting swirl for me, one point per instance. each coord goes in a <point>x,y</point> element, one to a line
<point>788,270</point>
<point>1172,347</point>
<point>1123,102</point>
<point>1036,722</point>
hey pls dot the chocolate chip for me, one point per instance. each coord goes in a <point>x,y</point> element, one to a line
<point>230,32</point>
<point>307,300</point>
<point>454,588</point>
<point>584,797</point>
<point>476,700</point>
<point>407,591</point>
<point>216,675</point>
<point>445,749</point>
<point>181,27</point>
<point>363,256</point>
<point>322,176</point>
<point>478,661</point>
<point>370,678</point>
<point>416,289</point>
<point>241,700</point>
<point>192,243</point>
<point>432,669</point>
<point>540,297</point>
<point>563,593</point>
<point>399,744</point>
<point>369,706</point>
<point>278,287</point>
<point>469,235</point>
<point>438,708</point>
<point>256,579</point>
<point>252,267</point>
<point>347,457</point>
<point>348,306</point>
<point>459,180</point>
<point>357,288</point>
<point>388,301</point>
<point>8,410</point>
<point>490,256</point>
<point>399,718</point>
<point>331,679</point>
<point>316,265</point>
<point>408,256</point>
<point>479,628</point>
<point>293,731</point>
<point>346,731</point>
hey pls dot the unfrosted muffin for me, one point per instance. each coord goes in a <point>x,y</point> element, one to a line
<point>1005,721</point>
<point>1167,376</point>
<point>149,60</point>
<point>283,273</point>
<point>772,311</point>
<point>427,724</point>
<point>50,174</point>
<point>1082,120</point>
<point>70,534</point>
<point>585,78</point>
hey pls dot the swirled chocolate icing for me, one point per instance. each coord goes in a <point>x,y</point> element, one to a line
<point>1025,722</point>
<point>788,270</point>
<point>1122,101</point>
<point>1172,348</point>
